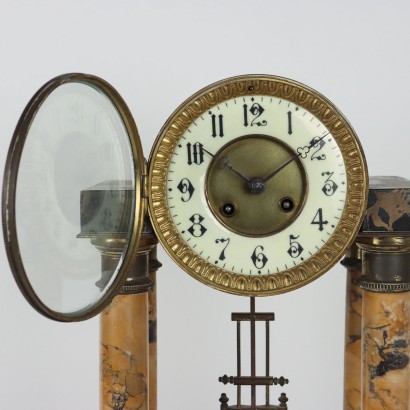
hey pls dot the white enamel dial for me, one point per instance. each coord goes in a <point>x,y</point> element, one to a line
<point>258,185</point>
<point>249,117</point>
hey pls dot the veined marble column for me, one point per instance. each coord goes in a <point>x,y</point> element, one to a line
<point>124,336</point>
<point>154,265</point>
<point>353,331</point>
<point>384,241</point>
<point>386,351</point>
<point>124,353</point>
<point>386,324</point>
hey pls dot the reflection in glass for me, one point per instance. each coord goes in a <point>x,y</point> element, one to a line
<point>75,181</point>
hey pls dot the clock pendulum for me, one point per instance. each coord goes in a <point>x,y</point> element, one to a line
<point>256,185</point>
<point>253,380</point>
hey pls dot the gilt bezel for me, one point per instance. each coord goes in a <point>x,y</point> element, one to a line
<point>339,241</point>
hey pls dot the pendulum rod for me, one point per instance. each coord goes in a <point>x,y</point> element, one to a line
<point>267,360</point>
<point>252,380</point>
<point>238,361</point>
<point>253,353</point>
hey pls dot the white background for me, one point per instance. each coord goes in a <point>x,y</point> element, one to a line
<point>157,54</point>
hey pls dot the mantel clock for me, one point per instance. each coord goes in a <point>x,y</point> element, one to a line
<point>256,185</point>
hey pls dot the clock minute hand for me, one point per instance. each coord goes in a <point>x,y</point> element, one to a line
<point>225,165</point>
<point>301,152</point>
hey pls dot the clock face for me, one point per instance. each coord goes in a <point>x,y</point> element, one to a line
<point>258,185</point>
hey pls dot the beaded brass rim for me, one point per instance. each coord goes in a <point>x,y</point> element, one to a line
<point>382,287</point>
<point>9,196</point>
<point>339,241</point>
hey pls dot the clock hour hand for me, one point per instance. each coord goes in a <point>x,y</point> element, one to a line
<point>225,161</point>
<point>301,152</point>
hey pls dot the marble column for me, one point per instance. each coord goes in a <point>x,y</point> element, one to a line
<point>124,337</point>
<point>353,331</point>
<point>154,265</point>
<point>384,243</point>
<point>386,324</point>
<point>124,353</point>
<point>386,351</point>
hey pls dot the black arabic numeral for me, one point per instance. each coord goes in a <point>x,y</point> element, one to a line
<point>195,153</point>
<point>330,186</point>
<point>290,132</point>
<point>318,143</point>
<point>245,115</point>
<point>256,110</point>
<point>222,240</point>
<point>185,187</point>
<point>217,126</point>
<point>258,257</point>
<point>318,219</point>
<point>196,229</point>
<point>295,247</point>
